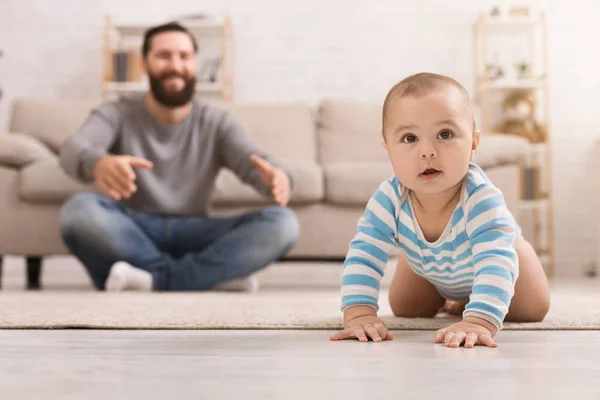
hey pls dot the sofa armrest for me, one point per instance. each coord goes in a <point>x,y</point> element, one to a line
<point>18,150</point>
<point>501,149</point>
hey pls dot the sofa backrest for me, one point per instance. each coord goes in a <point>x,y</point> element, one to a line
<point>50,121</point>
<point>349,131</point>
<point>286,131</point>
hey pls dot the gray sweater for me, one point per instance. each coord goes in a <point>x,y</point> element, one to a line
<point>186,156</point>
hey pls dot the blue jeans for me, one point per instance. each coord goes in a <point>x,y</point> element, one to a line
<point>181,253</point>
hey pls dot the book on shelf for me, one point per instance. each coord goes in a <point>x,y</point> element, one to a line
<point>531,183</point>
<point>126,66</point>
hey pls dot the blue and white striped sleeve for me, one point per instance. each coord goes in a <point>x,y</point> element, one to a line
<point>370,248</point>
<point>492,233</point>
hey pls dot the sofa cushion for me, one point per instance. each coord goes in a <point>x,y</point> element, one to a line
<point>18,149</point>
<point>45,182</point>
<point>353,183</point>
<point>50,121</point>
<point>349,131</point>
<point>308,187</point>
<point>285,131</point>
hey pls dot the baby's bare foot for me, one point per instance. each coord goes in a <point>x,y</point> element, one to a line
<point>454,307</point>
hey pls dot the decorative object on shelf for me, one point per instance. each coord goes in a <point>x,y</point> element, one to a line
<point>519,119</point>
<point>194,17</point>
<point>495,12</point>
<point>493,69</point>
<point>522,69</point>
<point>215,70</point>
<point>209,70</point>
<point>518,11</point>
<point>494,72</point>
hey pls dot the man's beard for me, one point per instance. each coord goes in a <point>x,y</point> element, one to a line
<point>170,98</point>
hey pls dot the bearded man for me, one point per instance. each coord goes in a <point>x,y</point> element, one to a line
<point>154,158</point>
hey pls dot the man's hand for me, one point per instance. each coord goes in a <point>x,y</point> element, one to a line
<point>275,179</point>
<point>115,177</point>
<point>361,322</point>
<point>470,330</point>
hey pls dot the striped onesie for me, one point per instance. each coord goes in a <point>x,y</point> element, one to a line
<point>474,260</point>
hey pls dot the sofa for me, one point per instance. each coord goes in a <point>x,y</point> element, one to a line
<point>333,150</point>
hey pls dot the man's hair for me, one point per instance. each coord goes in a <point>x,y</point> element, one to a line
<point>168,27</point>
<point>420,85</point>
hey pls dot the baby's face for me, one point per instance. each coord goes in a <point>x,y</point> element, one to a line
<point>430,140</point>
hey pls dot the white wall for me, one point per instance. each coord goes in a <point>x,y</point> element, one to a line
<point>303,50</point>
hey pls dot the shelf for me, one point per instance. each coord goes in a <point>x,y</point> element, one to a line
<point>128,87</point>
<point>195,27</point>
<point>512,84</point>
<point>533,204</point>
<point>538,148</point>
<point>511,23</point>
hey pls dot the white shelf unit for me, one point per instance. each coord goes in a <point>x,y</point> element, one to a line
<point>214,36</point>
<point>519,32</point>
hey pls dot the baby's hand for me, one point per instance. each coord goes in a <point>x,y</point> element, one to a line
<point>468,332</point>
<point>362,328</point>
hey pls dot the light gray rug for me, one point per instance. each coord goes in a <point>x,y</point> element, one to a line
<point>571,310</point>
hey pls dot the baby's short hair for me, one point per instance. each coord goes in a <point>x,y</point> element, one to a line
<point>420,85</point>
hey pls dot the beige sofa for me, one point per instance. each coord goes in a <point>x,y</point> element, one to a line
<point>334,152</point>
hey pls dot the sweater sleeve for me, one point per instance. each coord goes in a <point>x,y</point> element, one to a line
<point>80,153</point>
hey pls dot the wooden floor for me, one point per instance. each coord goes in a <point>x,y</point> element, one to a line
<point>246,365</point>
<point>88,364</point>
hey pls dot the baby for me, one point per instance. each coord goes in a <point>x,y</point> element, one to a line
<point>460,247</point>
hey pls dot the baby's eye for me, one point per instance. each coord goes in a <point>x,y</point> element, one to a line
<point>445,135</point>
<point>409,139</point>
